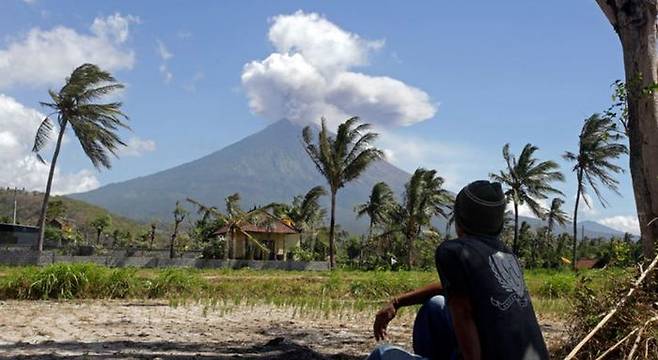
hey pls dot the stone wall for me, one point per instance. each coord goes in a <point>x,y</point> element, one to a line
<point>22,258</point>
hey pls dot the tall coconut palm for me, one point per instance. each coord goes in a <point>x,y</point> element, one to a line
<point>599,144</point>
<point>378,207</point>
<point>341,158</point>
<point>528,180</point>
<point>95,125</point>
<point>424,198</point>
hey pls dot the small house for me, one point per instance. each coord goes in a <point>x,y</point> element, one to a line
<point>275,235</point>
<point>18,235</point>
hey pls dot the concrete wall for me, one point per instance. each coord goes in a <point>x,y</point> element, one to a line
<point>22,258</point>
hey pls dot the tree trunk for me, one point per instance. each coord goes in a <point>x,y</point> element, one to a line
<point>46,196</point>
<point>172,252</point>
<point>515,243</point>
<point>152,237</point>
<point>575,218</point>
<point>226,237</point>
<point>98,236</point>
<point>332,234</point>
<point>635,24</point>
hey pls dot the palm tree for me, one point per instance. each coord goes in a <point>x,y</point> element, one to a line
<point>378,207</point>
<point>598,146</point>
<point>554,216</point>
<point>528,180</point>
<point>100,224</point>
<point>341,159</point>
<point>305,214</point>
<point>95,125</point>
<point>424,198</point>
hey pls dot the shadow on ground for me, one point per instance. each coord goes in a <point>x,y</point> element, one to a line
<point>276,349</point>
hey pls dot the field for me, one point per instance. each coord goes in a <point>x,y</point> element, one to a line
<point>86,311</point>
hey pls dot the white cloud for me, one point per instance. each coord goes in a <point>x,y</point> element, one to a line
<point>184,34</point>
<point>114,27</point>
<point>309,77</point>
<point>137,147</point>
<point>166,73</point>
<point>322,43</point>
<point>587,210</point>
<point>625,223</point>
<point>458,164</point>
<point>165,55</point>
<point>190,86</point>
<point>19,166</point>
<point>46,57</point>
<point>524,210</point>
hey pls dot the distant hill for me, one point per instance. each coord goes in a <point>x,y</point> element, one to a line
<point>79,212</point>
<point>591,229</point>
<point>265,167</point>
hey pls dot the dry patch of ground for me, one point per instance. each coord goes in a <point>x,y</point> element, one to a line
<point>152,330</point>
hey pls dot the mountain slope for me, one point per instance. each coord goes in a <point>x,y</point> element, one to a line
<point>79,212</point>
<point>268,166</point>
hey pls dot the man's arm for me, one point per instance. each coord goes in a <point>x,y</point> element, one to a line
<point>415,297</point>
<point>465,329</point>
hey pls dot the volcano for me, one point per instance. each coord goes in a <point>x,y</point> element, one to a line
<point>268,166</point>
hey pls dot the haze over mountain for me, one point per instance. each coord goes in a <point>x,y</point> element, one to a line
<point>269,166</point>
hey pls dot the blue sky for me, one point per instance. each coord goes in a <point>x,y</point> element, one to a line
<point>470,78</point>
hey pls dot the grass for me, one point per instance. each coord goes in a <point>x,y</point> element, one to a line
<point>320,292</point>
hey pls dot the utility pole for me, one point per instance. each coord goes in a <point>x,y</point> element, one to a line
<point>15,204</point>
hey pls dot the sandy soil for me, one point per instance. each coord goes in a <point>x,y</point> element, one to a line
<point>152,330</point>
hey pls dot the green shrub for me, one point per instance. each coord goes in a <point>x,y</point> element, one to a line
<point>557,285</point>
<point>70,281</point>
<point>176,282</point>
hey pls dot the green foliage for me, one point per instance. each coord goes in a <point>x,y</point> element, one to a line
<point>57,208</point>
<point>175,282</point>
<point>424,197</point>
<point>379,206</point>
<point>558,285</point>
<point>528,180</point>
<point>300,254</point>
<point>214,249</point>
<point>341,158</point>
<point>70,281</point>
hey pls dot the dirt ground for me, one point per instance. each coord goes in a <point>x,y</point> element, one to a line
<point>153,330</point>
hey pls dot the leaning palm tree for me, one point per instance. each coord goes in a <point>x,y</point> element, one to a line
<point>378,207</point>
<point>424,198</point>
<point>599,144</point>
<point>95,125</point>
<point>528,180</point>
<point>555,215</point>
<point>341,158</point>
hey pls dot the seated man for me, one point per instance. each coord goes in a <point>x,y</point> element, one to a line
<point>481,308</point>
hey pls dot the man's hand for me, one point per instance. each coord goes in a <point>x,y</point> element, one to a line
<point>383,317</point>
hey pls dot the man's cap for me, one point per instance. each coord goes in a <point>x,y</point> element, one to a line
<point>480,208</point>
